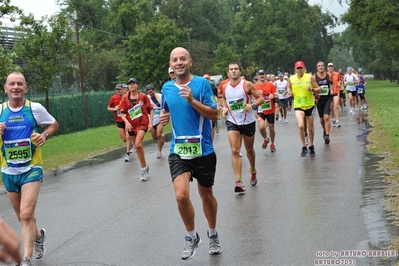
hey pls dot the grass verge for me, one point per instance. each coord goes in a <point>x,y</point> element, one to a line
<point>66,149</point>
<point>384,139</point>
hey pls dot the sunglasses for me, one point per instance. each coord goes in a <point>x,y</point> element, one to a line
<point>299,68</point>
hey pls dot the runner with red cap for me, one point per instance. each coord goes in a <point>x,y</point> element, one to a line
<point>301,87</point>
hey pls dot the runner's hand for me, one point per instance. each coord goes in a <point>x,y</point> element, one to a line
<point>164,117</point>
<point>9,244</point>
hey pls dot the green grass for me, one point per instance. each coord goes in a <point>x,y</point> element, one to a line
<point>66,149</point>
<point>384,139</point>
<point>383,97</point>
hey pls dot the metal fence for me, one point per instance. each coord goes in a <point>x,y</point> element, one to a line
<point>69,112</point>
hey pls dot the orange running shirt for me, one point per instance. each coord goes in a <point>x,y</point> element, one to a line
<point>268,107</point>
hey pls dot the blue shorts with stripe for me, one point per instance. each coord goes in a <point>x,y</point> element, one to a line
<point>13,183</point>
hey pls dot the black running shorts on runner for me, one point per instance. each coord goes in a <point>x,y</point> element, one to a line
<point>120,124</point>
<point>307,112</point>
<point>324,105</point>
<point>268,117</point>
<point>342,94</point>
<point>283,103</point>
<point>202,168</point>
<point>247,130</point>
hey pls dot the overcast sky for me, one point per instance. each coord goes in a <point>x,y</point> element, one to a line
<point>48,7</point>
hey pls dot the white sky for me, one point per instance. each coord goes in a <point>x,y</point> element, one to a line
<point>334,8</point>
<point>48,7</point>
<point>38,8</point>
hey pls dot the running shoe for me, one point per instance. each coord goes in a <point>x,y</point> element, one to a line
<point>25,262</point>
<point>311,151</point>
<point>190,246</point>
<point>286,120</point>
<point>214,244</point>
<point>304,151</point>
<point>350,111</point>
<point>272,147</point>
<point>253,180</point>
<point>264,144</point>
<point>159,155</point>
<point>239,187</point>
<point>127,158</point>
<point>144,173</point>
<point>240,153</point>
<point>280,119</point>
<point>40,250</point>
<point>334,124</point>
<point>337,124</point>
<point>326,139</point>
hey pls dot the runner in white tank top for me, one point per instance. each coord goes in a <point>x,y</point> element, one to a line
<point>240,121</point>
<point>237,99</point>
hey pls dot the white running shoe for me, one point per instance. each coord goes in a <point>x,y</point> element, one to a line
<point>144,173</point>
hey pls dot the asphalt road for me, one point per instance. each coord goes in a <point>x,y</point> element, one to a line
<point>98,212</point>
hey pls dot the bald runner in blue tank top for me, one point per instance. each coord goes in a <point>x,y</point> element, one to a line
<point>199,125</point>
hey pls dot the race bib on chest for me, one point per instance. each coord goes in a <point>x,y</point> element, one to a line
<point>324,89</point>
<point>267,105</point>
<point>360,90</point>
<point>135,112</point>
<point>281,91</point>
<point>118,113</point>
<point>157,111</point>
<point>237,105</point>
<point>188,147</point>
<point>349,83</point>
<point>18,151</point>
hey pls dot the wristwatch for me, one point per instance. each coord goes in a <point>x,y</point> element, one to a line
<point>253,106</point>
<point>46,134</point>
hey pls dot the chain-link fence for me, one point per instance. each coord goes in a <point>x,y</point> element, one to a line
<point>69,112</point>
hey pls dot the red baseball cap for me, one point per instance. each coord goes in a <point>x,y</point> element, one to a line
<point>299,64</point>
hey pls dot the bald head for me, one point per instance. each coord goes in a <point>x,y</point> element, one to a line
<point>180,62</point>
<point>179,51</point>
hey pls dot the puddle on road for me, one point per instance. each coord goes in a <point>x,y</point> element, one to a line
<point>380,231</point>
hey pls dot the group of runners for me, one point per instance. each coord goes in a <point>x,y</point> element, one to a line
<point>135,113</point>
<point>189,102</point>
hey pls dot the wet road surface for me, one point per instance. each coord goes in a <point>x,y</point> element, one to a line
<point>302,211</point>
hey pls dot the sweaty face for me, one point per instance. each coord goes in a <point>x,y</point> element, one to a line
<point>15,87</point>
<point>234,71</point>
<point>262,77</point>
<point>320,67</point>
<point>180,62</point>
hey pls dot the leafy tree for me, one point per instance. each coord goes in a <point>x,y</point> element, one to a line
<point>275,34</point>
<point>45,50</point>
<point>7,65</point>
<point>147,53</point>
<point>373,34</point>
<point>126,15</point>
<point>224,55</point>
<point>7,9</point>
<point>101,68</point>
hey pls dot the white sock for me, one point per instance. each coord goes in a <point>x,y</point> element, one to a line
<point>192,234</point>
<point>212,232</point>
